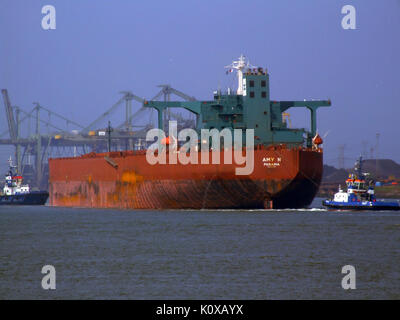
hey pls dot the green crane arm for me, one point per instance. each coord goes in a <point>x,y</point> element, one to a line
<point>311,105</point>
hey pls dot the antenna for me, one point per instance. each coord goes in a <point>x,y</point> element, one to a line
<point>377,144</point>
<point>109,130</point>
<point>376,153</point>
<point>239,65</point>
<point>358,166</point>
<point>11,163</point>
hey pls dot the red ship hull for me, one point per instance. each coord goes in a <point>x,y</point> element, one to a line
<point>282,178</point>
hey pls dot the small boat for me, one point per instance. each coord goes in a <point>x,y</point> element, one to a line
<point>359,196</point>
<point>16,193</point>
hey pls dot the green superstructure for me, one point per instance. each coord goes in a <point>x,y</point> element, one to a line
<point>250,108</point>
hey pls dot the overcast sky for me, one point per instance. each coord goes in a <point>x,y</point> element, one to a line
<point>102,47</point>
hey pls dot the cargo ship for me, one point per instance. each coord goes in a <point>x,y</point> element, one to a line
<point>287,162</point>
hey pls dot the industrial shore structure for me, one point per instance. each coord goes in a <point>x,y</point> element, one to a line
<point>288,162</point>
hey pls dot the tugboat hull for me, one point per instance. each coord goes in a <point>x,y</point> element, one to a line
<point>32,198</point>
<point>366,205</point>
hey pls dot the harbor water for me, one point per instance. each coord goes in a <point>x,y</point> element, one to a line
<point>206,254</point>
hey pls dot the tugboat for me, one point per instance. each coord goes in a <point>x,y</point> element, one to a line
<point>16,193</point>
<point>359,196</point>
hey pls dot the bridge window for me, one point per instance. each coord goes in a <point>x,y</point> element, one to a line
<point>251,84</point>
<point>263,94</point>
<point>251,94</point>
<point>263,83</point>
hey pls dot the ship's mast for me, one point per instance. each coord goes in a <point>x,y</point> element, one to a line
<point>358,167</point>
<point>10,163</point>
<point>239,65</point>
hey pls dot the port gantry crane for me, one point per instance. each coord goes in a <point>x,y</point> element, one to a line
<point>36,144</point>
